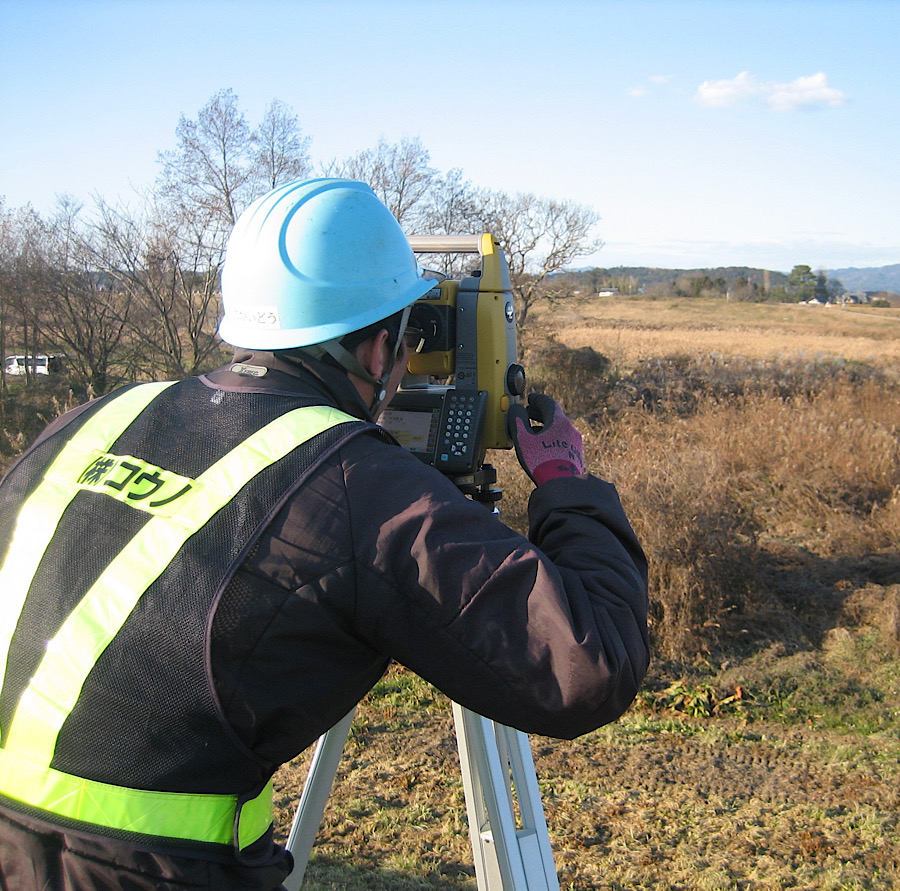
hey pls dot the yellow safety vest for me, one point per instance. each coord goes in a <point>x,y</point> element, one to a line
<point>179,507</point>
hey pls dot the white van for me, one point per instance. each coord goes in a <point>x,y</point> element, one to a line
<point>37,364</point>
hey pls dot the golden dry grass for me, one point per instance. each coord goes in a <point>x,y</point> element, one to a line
<point>628,331</point>
<point>739,436</point>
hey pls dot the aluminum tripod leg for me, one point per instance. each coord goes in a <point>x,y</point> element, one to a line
<point>496,763</point>
<point>316,791</point>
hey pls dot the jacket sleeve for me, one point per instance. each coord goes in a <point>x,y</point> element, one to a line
<point>547,635</point>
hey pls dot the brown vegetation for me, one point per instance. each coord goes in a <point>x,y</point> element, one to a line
<point>740,474</point>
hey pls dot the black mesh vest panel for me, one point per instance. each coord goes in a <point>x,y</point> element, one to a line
<point>147,716</point>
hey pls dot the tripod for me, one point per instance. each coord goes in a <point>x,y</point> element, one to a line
<point>510,842</point>
<point>507,828</point>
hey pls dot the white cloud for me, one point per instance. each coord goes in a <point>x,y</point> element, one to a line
<point>804,92</point>
<point>656,80</point>
<point>724,93</point>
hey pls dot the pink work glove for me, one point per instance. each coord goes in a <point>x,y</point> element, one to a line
<point>551,449</point>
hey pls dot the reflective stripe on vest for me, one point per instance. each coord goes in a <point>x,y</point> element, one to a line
<point>25,772</point>
<point>172,815</point>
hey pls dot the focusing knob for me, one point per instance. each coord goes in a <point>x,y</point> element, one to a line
<point>515,380</point>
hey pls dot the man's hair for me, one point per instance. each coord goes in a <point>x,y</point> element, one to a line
<point>351,341</point>
<point>391,324</point>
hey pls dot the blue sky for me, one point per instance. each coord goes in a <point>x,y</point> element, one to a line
<point>703,133</point>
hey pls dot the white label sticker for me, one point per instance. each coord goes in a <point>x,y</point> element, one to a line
<point>258,317</point>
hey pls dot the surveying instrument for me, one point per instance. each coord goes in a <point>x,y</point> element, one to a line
<point>451,408</point>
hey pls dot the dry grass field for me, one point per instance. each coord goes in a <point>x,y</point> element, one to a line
<point>628,331</point>
<point>756,449</point>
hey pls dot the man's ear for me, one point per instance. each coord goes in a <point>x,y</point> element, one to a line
<point>374,354</point>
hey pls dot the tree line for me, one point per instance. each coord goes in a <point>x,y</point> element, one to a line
<point>738,283</point>
<point>130,291</point>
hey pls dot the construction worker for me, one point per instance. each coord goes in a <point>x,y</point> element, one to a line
<point>200,577</point>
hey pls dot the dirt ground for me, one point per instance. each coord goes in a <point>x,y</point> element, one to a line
<point>651,802</point>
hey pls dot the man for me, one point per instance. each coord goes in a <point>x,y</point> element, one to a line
<point>199,578</point>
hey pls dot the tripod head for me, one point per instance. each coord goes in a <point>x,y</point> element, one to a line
<point>480,486</point>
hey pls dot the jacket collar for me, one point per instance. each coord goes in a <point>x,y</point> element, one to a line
<point>265,371</point>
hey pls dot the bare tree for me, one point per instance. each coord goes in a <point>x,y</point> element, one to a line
<point>84,313</point>
<point>220,164</point>
<point>23,265</point>
<point>169,271</point>
<point>6,240</point>
<point>282,152</point>
<point>452,205</point>
<point>539,236</point>
<point>401,176</point>
<point>169,260</point>
<point>210,173</point>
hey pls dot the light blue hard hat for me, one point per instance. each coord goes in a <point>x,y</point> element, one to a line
<point>312,261</point>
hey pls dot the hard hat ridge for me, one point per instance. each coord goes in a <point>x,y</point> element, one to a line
<point>312,261</point>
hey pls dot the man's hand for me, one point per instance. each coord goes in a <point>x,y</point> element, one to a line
<point>551,449</point>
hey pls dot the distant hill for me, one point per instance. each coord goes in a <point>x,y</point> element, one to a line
<point>648,275</point>
<point>642,276</point>
<point>873,278</point>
